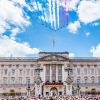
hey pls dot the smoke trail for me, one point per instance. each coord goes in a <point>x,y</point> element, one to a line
<point>54,14</point>
<point>44,13</point>
<point>49,1</point>
<point>57,12</point>
<point>65,14</point>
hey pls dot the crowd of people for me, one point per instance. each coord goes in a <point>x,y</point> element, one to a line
<point>87,97</point>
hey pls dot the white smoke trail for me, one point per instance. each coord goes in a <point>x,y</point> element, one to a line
<point>51,21</point>
<point>57,12</point>
<point>54,14</point>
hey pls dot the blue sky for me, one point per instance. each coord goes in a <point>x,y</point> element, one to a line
<point>22,32</point>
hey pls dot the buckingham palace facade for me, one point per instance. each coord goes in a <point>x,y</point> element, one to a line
<point>52,73</point>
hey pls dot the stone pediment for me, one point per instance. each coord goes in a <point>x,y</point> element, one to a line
<point>53,58</point>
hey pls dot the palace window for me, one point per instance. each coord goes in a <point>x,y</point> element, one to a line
<point>24,65</point>
<point>47,93</point>
<point>53,73</point>
<point>86,79</point>
<point>99,80</point>
<point>74,65</point>
<point>98,71</point>
<point>17,65</point>
<point>85,71</point>
<point>27,71</point>
<point>1,72</point>
<point>9,65</point>
<point>20,71</point>
<point>13,80</point>
<point>28,82</point>
<point>78,80</point>
<point>78,71</point>
<point>59,73</point>
<point>2,65</point>
<point>5,71</point>
<point>32,72</point>
<point>92,79</point>
<point>13,71</point>
<point>47,73</point>
<point>60,93</point>
<point>95,65</point>
<point>4,80</point>
<point>35,73</point>
<point>82,65</point>
<point>92,71</point>
<point>20,80</point>
<point>88,66</point>
<point>32,65</point>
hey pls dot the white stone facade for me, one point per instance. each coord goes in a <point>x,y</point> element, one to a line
<point>84,72</point>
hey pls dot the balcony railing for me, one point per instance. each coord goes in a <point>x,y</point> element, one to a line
<point>18,58</point>
<point>85,58</point>
<point>15,85</point>
<point>53,83</point>
<point>87,83</point>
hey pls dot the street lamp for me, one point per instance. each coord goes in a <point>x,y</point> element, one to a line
<point>38,80</point>
<point>38,69</point>
<point>20,84</point>
<point>33,89</point>
<point>78,87</point>
<point>69,79</point>
<point>28,87</point>
<point>68,69</point>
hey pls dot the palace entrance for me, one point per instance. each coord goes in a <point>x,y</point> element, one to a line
<point>12,92</point>
<point>93,91</point>
<point>53,91</point>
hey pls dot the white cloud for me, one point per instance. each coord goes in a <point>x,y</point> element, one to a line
<point>13,15</point>
<point>15,19</point>
<point>96,24</point>
<point>36,6</point>
<point>71,55</point>
<point>73,4</point>
<point>21,3</point>
<point>10,47</point>
<point>88,11</point>
<point>87,34</point>
<point>73,27</point>
<point>3,26</point>
<point>14,31</point>
<point>70,4</point>
<point>95,51</point>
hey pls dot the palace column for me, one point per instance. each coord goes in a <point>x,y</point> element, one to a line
<point>57,73</point>
<point>50,74</point>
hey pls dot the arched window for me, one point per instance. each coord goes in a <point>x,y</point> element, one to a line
<point>85,80</point>
<point>92,79</point>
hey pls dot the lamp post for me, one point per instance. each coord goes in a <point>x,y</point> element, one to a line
<point>28,87</point>
<point>69,81</point>
<point>38,81</point>
<point>38,69</point>
<point>78,88</point>
<point>69,69</point>
<point>20,84</point>
<point>33,89</point>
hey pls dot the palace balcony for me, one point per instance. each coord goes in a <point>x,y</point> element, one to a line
<point>53,83</point>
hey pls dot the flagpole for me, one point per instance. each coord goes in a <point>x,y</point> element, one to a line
<point>53,39</point>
